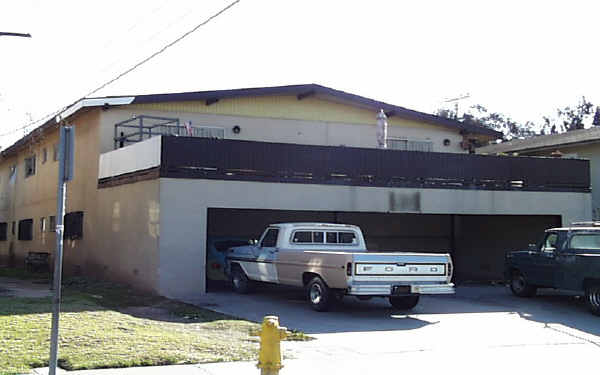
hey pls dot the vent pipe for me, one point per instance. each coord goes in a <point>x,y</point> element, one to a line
<point>382,126</point>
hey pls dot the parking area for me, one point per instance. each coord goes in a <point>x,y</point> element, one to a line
<point>478,325</point>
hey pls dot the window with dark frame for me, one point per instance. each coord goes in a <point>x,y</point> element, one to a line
<point>51,223</point>
<point>55,152</point>
<point>29,166</point>
<point>26,230</point>
<point>3,231</point>
<point>44,155</point>
<point>270,239</point>
<point>74,225</point>
<point>12,231</point>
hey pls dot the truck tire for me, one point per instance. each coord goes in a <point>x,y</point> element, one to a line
<point>520,287</point>
<point>319,295</point>
<point>592,298</point>
<point>239,281</point>
<point>404,302</point>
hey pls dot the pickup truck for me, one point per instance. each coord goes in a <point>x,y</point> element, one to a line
<point>331,261</point>
<point>565,259</point>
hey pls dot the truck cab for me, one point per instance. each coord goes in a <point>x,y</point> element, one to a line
<point>565,258</point>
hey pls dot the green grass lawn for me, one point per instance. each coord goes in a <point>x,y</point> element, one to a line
<point>103,325</point>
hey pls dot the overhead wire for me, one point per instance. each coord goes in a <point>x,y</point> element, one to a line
<point>129,70</point>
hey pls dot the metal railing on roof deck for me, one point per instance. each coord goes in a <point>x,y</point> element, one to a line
<point>142,127</point>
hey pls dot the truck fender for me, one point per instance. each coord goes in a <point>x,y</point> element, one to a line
<point>309,275</point>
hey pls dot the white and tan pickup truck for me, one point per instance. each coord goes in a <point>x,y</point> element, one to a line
<point>331,260</point>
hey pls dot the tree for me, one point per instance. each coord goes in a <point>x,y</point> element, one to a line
<point>568,119</point>
<point>480,115</point>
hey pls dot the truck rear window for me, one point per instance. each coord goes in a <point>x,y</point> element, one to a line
<point>347,238</point>
<point>307,237</point>
<point>586,241</point>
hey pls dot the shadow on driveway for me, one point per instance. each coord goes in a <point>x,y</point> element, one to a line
<point>352,315</point>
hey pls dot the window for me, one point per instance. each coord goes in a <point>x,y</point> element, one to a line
<point>44,155</point>
<point>270,239</point>
<point>587,241</point>
<point>51,223</point>
<point>74,225</point>
<point>43,225</point>
<point>3,231</point>
<point>347,237</point>
<point>332,237</point>
<point>12,173</point>
<point>407,145</point>
<point>26,230</point>
<point>302,237</point>
<point>550,242</point>
<point>307,237</point>
<point>12,231</point>
<point>55,152</point>
<point>30,166</point>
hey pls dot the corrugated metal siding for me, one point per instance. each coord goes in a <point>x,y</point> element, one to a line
<point>285,107</point>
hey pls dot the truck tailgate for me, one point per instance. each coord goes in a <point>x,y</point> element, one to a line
<point>407,264</point>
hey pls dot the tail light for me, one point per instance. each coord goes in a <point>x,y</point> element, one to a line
<point>216,266</point>
<point>450,269</point>
<point>349,269</point>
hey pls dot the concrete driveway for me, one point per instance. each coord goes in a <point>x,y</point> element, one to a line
<point>480,329</point>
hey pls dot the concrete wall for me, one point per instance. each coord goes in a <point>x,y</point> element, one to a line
<point>184,205</point>
<point>136,157</point>
<point>285,119</point>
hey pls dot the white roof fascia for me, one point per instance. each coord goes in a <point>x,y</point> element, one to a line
<point>95,102</point>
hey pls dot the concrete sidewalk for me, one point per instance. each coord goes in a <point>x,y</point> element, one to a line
<point>547,359</point>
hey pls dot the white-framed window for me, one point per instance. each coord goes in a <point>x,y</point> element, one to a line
<point>43,223</point>
<point>409,145</point>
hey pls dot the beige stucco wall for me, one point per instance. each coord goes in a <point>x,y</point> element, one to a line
<point>127,218</point>
<point>34,197</point>
<point>184,205</point>
<point>285,119</point>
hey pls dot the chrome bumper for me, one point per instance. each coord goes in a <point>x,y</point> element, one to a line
<point>358,289</point>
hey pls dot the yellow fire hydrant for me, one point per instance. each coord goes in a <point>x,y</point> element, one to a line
<point>271,334</point>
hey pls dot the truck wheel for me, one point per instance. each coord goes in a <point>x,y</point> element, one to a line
<point>520,287</point>
<point>239,281</point>
<point>592,298</point>
<point>405,302</point>
<point>319,295</point>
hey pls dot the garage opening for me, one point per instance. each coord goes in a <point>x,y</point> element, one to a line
<point>477,242</point>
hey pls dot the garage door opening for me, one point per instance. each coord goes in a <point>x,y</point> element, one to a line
<point>477,242</point>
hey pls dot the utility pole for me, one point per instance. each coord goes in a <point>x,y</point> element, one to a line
<point>2,33</point>
<point>66,158</point>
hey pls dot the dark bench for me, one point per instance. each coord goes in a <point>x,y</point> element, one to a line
<point>37,261</point>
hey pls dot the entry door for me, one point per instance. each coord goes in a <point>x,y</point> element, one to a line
<point>267,256</point>
<point>545,261</point>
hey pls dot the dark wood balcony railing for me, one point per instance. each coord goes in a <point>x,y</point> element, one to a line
<point>186,157</point>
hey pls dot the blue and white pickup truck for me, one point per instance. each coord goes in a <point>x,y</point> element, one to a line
<point>331,260</point>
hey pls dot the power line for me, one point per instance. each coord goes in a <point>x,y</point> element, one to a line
<point>163,48</point>
<point>15,34</point>
<point>134,67</point>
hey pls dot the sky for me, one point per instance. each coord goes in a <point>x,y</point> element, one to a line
<point>521,58</point>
